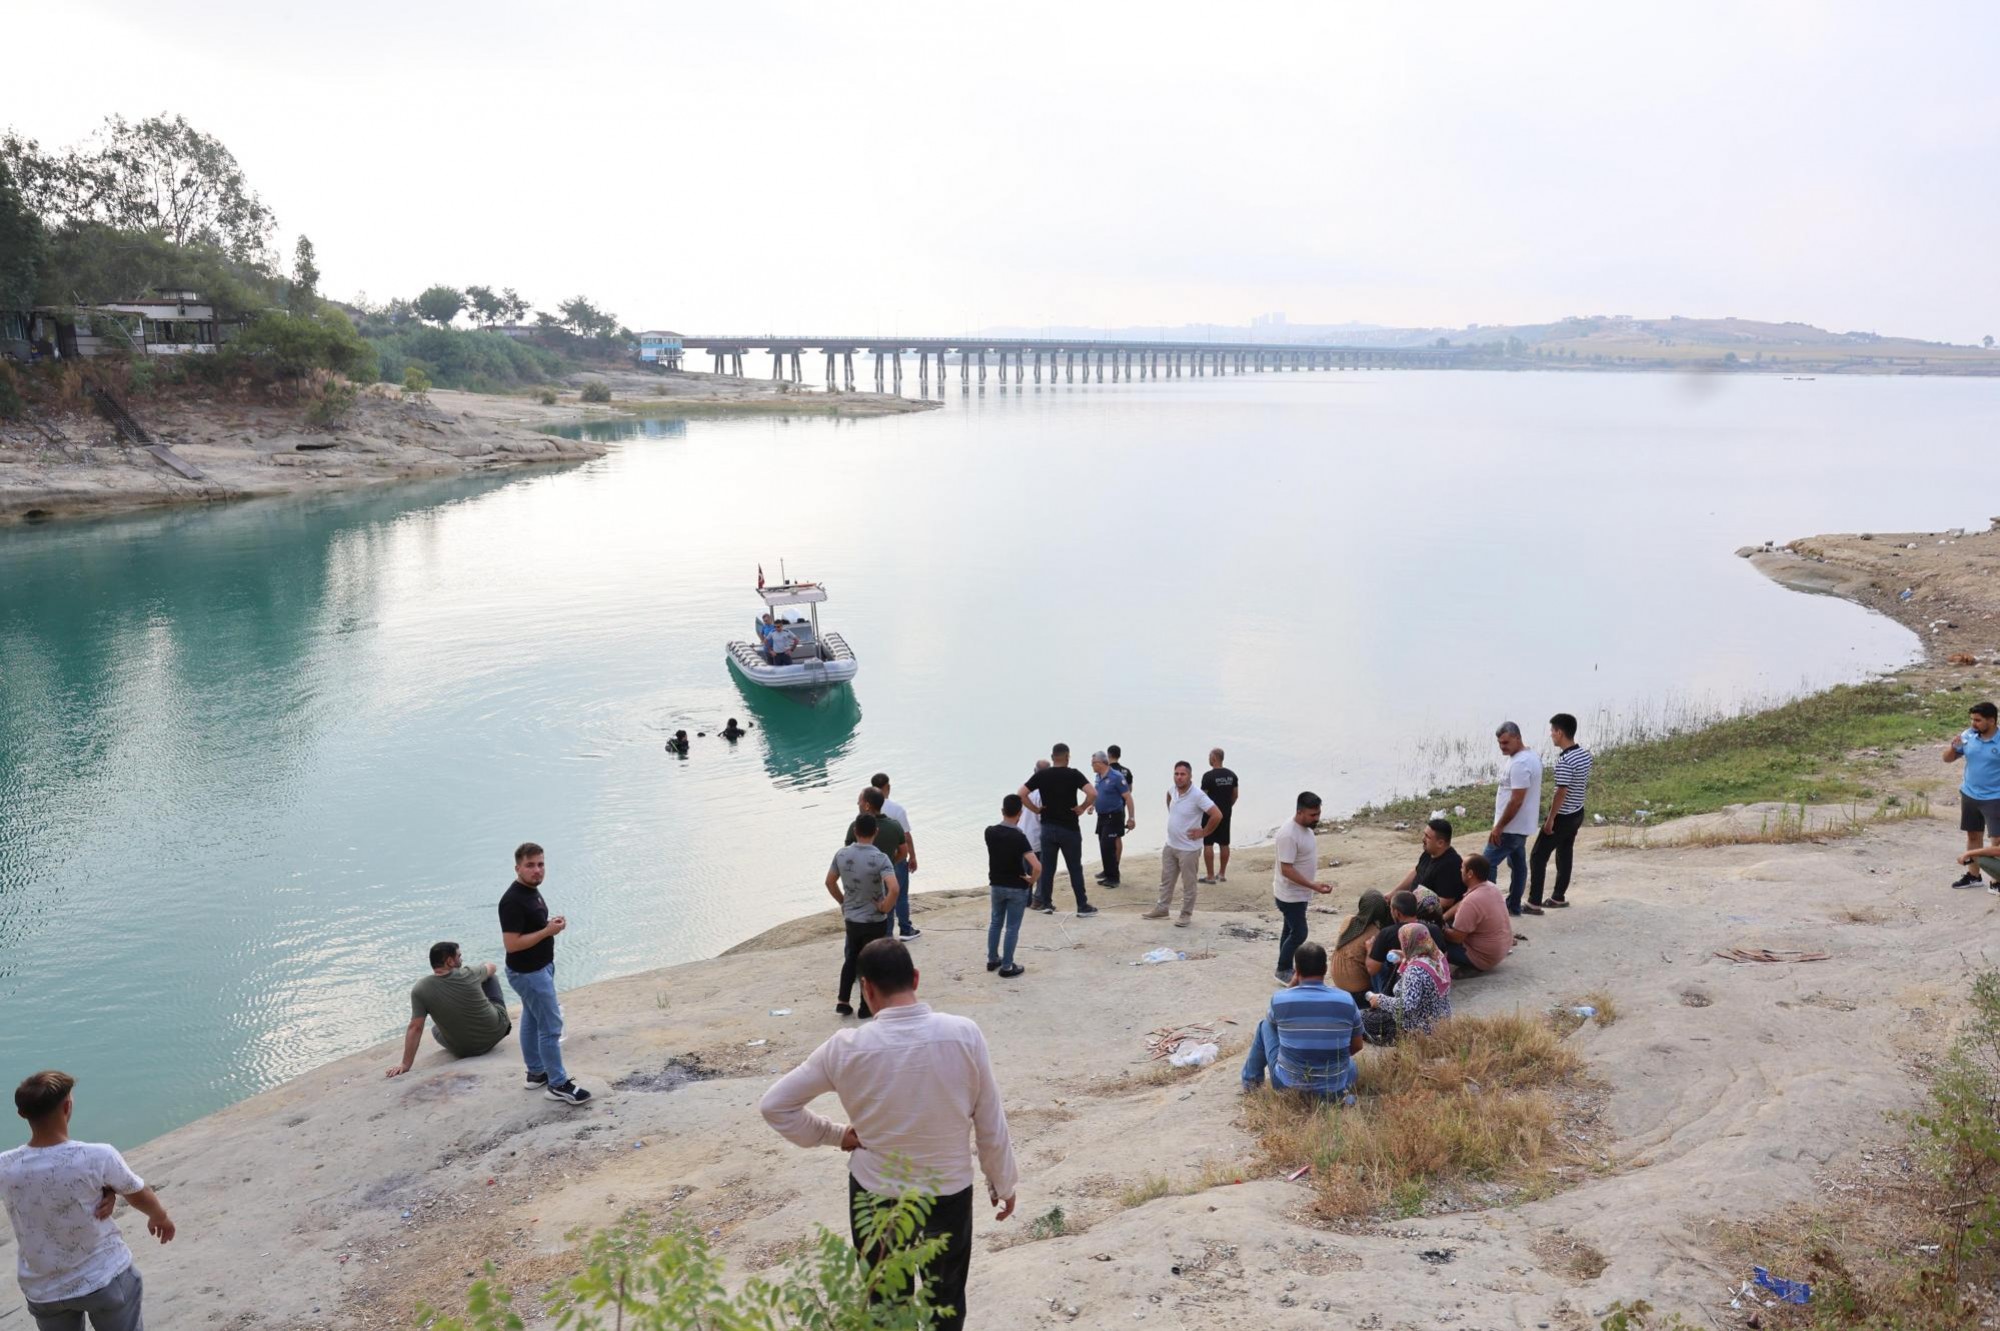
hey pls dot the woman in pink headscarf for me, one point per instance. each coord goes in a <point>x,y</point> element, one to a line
<point>1423,986</point>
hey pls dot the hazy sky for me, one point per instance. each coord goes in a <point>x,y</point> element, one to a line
<point>837,167</point>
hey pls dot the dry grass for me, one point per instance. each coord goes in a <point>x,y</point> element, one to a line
<point>1790,825</point>
<point>1475,1100</point>
<point>1152,1187</point>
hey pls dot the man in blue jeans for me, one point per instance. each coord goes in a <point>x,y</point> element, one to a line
<point>1517,812</point>
<point>1011,870</point>
<point>1309,1038</point>
<point>529,932</point>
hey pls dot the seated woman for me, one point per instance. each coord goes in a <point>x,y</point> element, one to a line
<point>1350,953</point>
<point>1423,990</point>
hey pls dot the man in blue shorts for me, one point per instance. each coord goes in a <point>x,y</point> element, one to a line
<point>1978,746</point>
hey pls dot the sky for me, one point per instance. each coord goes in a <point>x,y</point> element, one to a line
<point>887,167</point>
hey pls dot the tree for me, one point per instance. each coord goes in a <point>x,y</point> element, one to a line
<point>486,307</point>
<point>440,305</point>
<point>1987,341</point>
<point>159,174</point>
<point>21,244</point>
<point>305,278</point>
<point>586,320</point>
<point>513,306</point>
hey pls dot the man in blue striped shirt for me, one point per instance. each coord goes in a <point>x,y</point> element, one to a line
<point>1311,1035</point>
<point>1565,818</point>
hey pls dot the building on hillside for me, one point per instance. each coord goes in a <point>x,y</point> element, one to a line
<point>659,347</point>
<point>519,332</point>
<point>172,324</point>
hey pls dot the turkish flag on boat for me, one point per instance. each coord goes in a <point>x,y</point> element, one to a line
<point>760,577</point>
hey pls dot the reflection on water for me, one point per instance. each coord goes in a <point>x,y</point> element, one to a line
<point>622,427</point>
<point>804,737</point>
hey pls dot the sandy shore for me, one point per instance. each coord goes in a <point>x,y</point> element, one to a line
<point>74,464</point>
<point>1726,1092</point>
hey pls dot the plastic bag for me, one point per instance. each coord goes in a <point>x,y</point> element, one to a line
<point>1193,1055</point>
<point>1791,1291</point>
<point>1160,954</point>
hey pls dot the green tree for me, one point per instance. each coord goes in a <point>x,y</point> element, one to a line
<point>513,306</point>
<point>439,305</point>
<point>21,244</point>
<point>305,278</point>
<point>486,307</point>
<point>1987,341</point>
<point>586,320</point>
<point>159,174</point>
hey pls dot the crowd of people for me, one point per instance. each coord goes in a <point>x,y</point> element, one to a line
<point>918,1086</point>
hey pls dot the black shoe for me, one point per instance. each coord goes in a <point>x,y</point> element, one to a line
<point>1009,972</point>
<point>913,933</point>
<point>1084,912</point>
<point>844,1009</point>
<point>569,1093</point>
<point>1102,879</point>
<point>1970,880</point>
<point>992,965</point>
<point>1046,910</point>
<point>537,1080</point>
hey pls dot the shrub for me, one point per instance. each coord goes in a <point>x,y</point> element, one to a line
<point>11,405</point>
<point>291,346</point>
<point>673,1282</point>
<point>546,396</point>
<point>458,358</point>
<point>596,391</point>
<point>328,398</point>
<point>415,381</point>
<point>140,376</point>
<point>1959,1137</point>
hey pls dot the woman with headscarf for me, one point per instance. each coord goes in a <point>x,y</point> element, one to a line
<point>1423,988</point>
<point>1350,953</point>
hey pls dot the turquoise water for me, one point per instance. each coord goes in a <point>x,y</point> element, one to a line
<point>255,759</point>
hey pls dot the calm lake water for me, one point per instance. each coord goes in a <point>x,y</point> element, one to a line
<point>253,760</point>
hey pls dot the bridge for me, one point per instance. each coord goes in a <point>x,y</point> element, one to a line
<point>1097,359</point>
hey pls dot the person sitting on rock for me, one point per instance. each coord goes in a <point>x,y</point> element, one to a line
<point>1308,1039</point>
<point>1422,997</point>
<point>464,1004</point>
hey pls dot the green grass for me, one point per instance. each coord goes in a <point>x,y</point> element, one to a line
<point>1808,751</point>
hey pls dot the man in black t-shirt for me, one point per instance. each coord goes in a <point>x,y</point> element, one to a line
<point>1219,784</point>
<point>1439,867</point>
<point>1051,793</point>
<point>1011,870</point>
<point>528,932</point>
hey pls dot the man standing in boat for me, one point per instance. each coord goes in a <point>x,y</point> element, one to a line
<point>1052,793</point>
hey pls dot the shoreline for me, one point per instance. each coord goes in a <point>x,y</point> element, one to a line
<point>59,467</point>
<point>366,1196</point>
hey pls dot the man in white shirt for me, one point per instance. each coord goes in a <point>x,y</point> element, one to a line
<point>916,1085</point>
<point>1031,822</point>
<point>1191,815</point>
<point>905,866</point>
<point>1517,811</point>
<point>1295,878</point>
<point>59,1195</point>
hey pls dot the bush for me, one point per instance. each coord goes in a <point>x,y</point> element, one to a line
<point>290,346</point>
<point>140,376</point>
<point>596,391</point>
<point>458,358</point>
<point>546,396</point>
<point>415,381</point>
<point>673,1282</point>
<point>11,405</point>
<point>328,398</point>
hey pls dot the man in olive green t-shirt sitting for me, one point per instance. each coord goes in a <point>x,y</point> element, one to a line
<point>463,1002</point>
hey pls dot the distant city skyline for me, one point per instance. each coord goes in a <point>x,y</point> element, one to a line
<point>903,168</point>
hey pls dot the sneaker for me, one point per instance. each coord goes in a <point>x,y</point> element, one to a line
<point>1009,972</point>
<point>1206,878</point>
<point>1085,912</point>
<point>1531,909</point>
<point>992,965</point>
<point>1556,902</point>
<point>844,1009</point>
<point>1102,879</point>
<point>1284,977</point>
<point>1971,879</point>
<point>1046,910</point>
<point>914,933</point>
<point>1157,913</point>
<point>569,1093</point>
<point>1993,889</point>
<point>537,1080</point>
<point>1184,921</point>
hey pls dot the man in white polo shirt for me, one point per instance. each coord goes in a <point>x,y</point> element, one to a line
<point>1517,811</point>
<point>59,1195</point>
<point>1191,815</point>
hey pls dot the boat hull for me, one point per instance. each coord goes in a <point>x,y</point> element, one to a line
<point>748,662</point>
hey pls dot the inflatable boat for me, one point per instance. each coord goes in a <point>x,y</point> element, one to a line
<point>815,659</point>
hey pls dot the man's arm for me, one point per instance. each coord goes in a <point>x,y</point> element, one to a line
<point>910,849</point>
<point>784,1105</point>
<point>1359,1040</point>
<point>1514,803</point>
<point>833,886</point>
<point>147,1202</point>
<point>1028,798</point>
<point>889,890</point>
<point>1034,867</point>
<point>1409,882</point>
<point>411,1038</point>
<point>1555,802</point>
<point>522,942</point>
<point>1089,798</point>
<point>989,1133</point>
<point>1952,753</point>
<point>1214,821</point>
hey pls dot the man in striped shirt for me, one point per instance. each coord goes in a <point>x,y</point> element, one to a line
<point>1310,1037</point>
<point>1559,829</point>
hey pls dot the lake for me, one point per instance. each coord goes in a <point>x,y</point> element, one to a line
<point>255,759</point>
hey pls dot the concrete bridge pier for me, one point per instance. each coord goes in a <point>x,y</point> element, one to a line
<point>1017,367</point>
<point>847,369</point>
<point>982,367</point>
<point>896,364</point>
